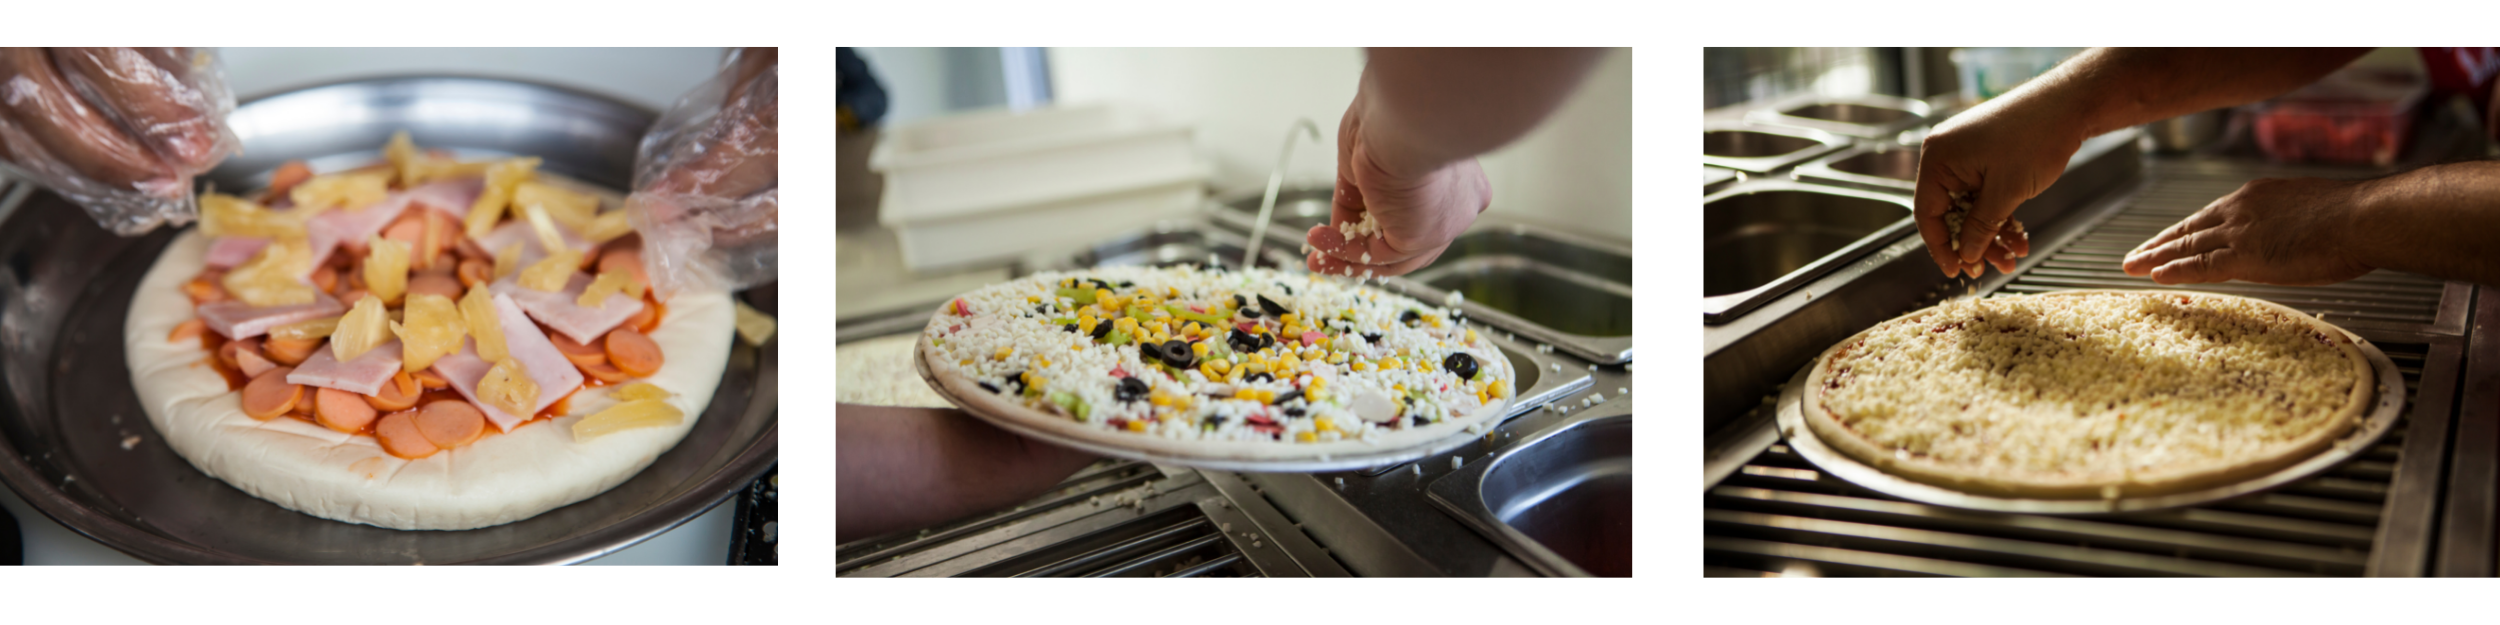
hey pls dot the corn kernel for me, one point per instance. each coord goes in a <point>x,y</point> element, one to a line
<point>1235,375</point>
<point>1193,328</point>
<point>1160,399</point>
<point>1161,327</point>
<point>1255,366</point>
<point>1104,295</point>
<point>1041,362</point>
<point>1288,318</point>
<point>1336,358</point>
<point>1003,352</point>
<point>1199,348</point>
<point>1085,324</point>
<point>1306,437</point>
<point>1221,365</point>
<point>1319,383</point>
<point>1032,299</point>
<point>1363,366</point>
<point>1500,388</point>
<point>1267,396</point>
<point>1390,363</point>
<point>1316,395</point>
<point>1174,290</point>
<point>1246,394</point>
<point>1325,425</point>
<point>967,362</point>
<point>1135,425</point>
<point>1480,398</point>
<point>1208,369</point>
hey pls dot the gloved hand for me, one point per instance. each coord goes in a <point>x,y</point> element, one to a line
<point>1404,212</point>
<point>707,198</point>
<point>119,131</point>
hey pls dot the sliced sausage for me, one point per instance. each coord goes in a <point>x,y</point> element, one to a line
<point>189,329</point>
<point>326,278</point>
<point>604,372</point>
<point>252,363</point>
<point>474,272</point>
<point>399,393</point>
<point>648,318</point>
<point>627,259</point>
<point>451,424</point>
<point>204,289</point>
<point>633,353</point>
<point>431,380</point>
<point>290,352</point>
<point>269,395</point>
<point>227,353</point>
<point>581,354</point>
<point>288,175</point>
<point>398,434</point>
<point>342,410</point>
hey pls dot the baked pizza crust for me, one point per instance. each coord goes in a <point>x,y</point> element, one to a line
<point>2104,484</point>
<point>307,468</point>
<point>987,404</point>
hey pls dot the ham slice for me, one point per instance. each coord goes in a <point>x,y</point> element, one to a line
<point>555,375</point>
<point>562,312</point>
<point>520,231</point>
<point>363,376</point>
<point>449,197</point>
<point>237,320</point>
<point>230,251</point>
<point>338,226</point>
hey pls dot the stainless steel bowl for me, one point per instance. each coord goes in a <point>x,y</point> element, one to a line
<point>66,405</point>
<point>1761,239</point>
<point>1763,149</point>
<point>1562,501</point>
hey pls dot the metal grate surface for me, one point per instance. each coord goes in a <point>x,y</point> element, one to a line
<point>1115,519</point>
<point>1780,515</point>
<point>2091,260</point>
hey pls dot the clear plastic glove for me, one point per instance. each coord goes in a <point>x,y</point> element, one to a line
<point>1391,217</point>
<point>119,131</point>
<point>707,195</point>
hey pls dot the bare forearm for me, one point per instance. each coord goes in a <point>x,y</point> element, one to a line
<point>900,468</point>
<point>2437,221</point>
<point>2113,88</point>
<point>1432,106</point>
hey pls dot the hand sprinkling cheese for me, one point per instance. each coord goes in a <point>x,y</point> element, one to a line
<point>478,309</point>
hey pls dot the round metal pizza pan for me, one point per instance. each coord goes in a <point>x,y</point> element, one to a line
<point>2375,423</point>
<point>77,446</point>
<point>1314,464</point>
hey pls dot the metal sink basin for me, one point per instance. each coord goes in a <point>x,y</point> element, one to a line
<point>1560,501</point>
<point>1297,210</point>
<point>1763,149</point>
<point>1863,116</point>
<point>1168,243</point>
<point>1573,293</point>
<point>1761,239</point>
<point>1878,166</point>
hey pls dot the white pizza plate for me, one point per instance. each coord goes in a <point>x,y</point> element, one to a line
<point>1313,464</point>
<point>2374,425</point>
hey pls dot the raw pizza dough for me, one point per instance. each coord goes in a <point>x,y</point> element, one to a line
<point>2200,395</point>
<point>1056,425</point>
<point>307,468</point>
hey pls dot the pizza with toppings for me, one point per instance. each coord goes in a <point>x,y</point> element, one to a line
<point>423,343</point>
<point>1214,364</point>
<point>2090,394</point>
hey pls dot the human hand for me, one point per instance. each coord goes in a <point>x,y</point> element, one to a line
<point>118,130</point>
<point>707,190</point>
<point>1996,156</point>
<point>2274,231</point>
<point>1412,209</point>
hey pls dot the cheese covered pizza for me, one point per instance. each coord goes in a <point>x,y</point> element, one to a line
<point>2089,394</point>
<point>1216,364</point>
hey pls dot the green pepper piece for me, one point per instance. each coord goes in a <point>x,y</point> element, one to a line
<point>1189,315</point>
<point>1139,313</point>
<point>1117,338</point>
<point>1064,400</point>
<point>1061,321</point>
<point>1083,409</point>
<point>1083,297</point>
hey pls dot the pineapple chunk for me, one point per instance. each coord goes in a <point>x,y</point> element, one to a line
<point>501,179</point>
<point>607,227</point>
<point>477,309</point>
<point>639,390</point>
<point>550,274</point>
<point>640,413</point>
<point>508,387</point>
<point>352,191</point>
<point>403,154</point>
<point>433,329</point>
<point>754,326</point>
<point>271,278</point>
<point>363,328</point>
<point>609,283</point>
<point>224,215</point>
<point>571,209</point>
<point>543,226</point>
<point>507,260</point>
<point>306,330</point>
<point>386,268</point>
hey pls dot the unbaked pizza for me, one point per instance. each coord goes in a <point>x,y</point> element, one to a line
<point>420,344</point>
<point>1216,364</point>
<point>2096,394</point>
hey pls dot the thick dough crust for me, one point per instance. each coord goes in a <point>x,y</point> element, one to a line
<point>310,469</point>
<point>2098,485</point>
<point>988,404</point>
